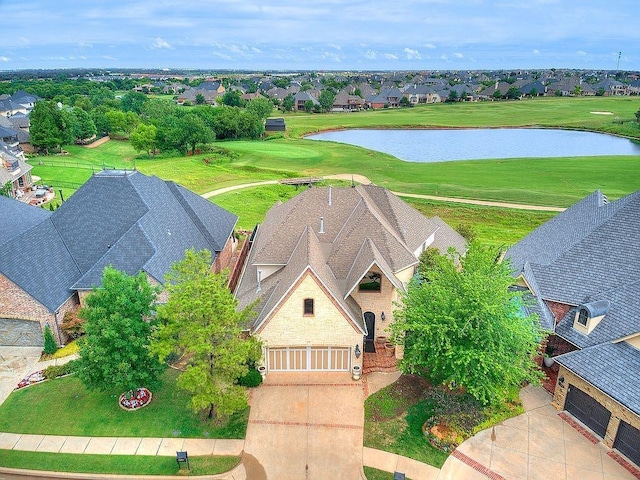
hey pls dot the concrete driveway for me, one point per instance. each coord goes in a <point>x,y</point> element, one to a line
<point>15,364</point>
<point>307,426</point>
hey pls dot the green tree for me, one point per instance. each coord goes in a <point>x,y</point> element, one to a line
<point>45,131</point>
<point>133,102</point>
<point>287,103</point>
<point>453,96</point>
<point>497,95</point>
<point>83,126</point>
<point>261,107</point>
<point>232,98</point>
<point>326,99</point>
<point>638,116</point>
<point>114,353</point>
<point>201,321</point>
<point>5,190</point>
<point>513,93</point>
<point>200,100</point>
<point>308,106</point>
<point>50,344</point>
<point>463,325</point>
<point>144,138</point>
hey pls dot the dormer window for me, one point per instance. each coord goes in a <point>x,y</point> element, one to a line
<point>583,316</point>
<point>589,315</point>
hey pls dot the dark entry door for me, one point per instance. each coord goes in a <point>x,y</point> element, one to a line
<point>628,442</point>
<point>588,410</point>
<point>370,323</point>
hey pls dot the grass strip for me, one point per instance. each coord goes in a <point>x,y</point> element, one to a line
<point>114,464</point>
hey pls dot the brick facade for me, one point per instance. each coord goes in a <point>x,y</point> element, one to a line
<point>559,310</point>
<point>223,260</point>
<point>17,304</point>
<point>618,411</point>
<point>328,326</point>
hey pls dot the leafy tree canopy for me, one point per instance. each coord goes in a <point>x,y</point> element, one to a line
<point>463,325</point>
<point>200,320</point>
<point>114,353</point>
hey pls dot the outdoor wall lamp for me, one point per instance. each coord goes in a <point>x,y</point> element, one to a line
<point>357,351</point>
<point>383,316</point>
<point>561,382</point>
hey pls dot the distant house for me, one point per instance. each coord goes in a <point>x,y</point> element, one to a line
<point>135,223</point>
<point>301,98</point>
<point>389,97</point>
<point>325,270</point>
<point>346,101</point>
<point>274,125</point>
<point>14,169</point>
<point>582,269</point>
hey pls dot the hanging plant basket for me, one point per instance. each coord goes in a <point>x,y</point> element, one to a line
<point>135,399</point>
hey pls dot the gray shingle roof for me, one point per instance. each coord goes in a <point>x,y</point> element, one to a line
<point>125,219</point>
<point>613,368</point>
<point>17,217</point>
<point>361,226</point>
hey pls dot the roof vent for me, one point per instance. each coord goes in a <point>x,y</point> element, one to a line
<point>329,195</point>
<point>259,272</point>
<point>321,225</point>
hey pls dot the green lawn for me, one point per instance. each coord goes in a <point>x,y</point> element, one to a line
<point>113,464</point>
<point>65,407</point>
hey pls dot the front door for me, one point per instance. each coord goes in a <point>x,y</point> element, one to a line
<point>370,323</point>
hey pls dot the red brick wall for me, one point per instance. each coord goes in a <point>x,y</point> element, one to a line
<point>224,257</point>
<point>559,310</point>
<point>16,303</point>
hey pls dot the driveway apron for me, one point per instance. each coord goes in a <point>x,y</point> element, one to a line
<point>307,426</point>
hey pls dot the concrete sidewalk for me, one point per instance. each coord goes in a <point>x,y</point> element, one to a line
<point>390,462</point>
<point>166,447</point>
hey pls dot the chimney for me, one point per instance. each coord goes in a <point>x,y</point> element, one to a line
<point>329,195</point>
<point>321,225</point>
<point>259,281</point>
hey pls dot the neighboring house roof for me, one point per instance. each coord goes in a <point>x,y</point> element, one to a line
<point>18,217</point>
<point>120,218</point>
<point>587,257</point>
<point>337,234</point>
<point>610,367</point>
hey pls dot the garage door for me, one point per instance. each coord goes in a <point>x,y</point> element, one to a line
<point>325,359</point>
<point>588,410</point>
<point>628,442</point>
<point>20,333</point>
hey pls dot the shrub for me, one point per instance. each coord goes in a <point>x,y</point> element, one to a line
<point>50,345</point>
<point>251,379</point>
<point>72,324</point>
<point>54,371</point>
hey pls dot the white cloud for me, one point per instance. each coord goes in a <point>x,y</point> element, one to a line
<point>412,54</point>
<point>85,45</point>
<point>370,55</point>
<point>430,46</point>
<point>5,59</point>
<point>458,55</point>
<point>160,43</point>
<point>536,51</point>
<point>331,56</point>
<point>390,56</point>
<point>581,53</point>
<point>337,47</point>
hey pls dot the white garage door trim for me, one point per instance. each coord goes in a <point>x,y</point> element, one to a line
<point>309,359</point>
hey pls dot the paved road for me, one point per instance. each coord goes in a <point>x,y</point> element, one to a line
<point>364,180</point>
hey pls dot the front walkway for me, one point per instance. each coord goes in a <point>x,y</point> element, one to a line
<point>538,444</point>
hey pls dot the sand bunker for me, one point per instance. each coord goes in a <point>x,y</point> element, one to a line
<point>602,113</point>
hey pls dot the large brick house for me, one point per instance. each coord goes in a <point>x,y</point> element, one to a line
<point>326,269</point>
<point>133,222</point>
<point>583,269</point>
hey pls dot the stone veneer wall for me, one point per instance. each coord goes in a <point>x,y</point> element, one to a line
<point>618,411</point>
<point>288,326</point>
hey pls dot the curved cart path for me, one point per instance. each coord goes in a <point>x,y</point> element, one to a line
<point>364,180</point>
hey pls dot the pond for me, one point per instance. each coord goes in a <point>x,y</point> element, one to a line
<point>443,145</point>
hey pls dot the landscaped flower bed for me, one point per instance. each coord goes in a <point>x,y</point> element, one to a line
<point>134,400</point>
<point>35,377</point>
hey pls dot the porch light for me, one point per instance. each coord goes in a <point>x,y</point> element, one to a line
<point>383,316</point>
<point>357,351</point>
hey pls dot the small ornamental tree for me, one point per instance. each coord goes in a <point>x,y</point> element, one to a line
<point>50,345</point>
<point>114,353</point>
<point>463,325</point>
<point>200,321</point>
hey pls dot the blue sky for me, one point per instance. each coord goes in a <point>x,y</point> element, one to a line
<point>326,35</point>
